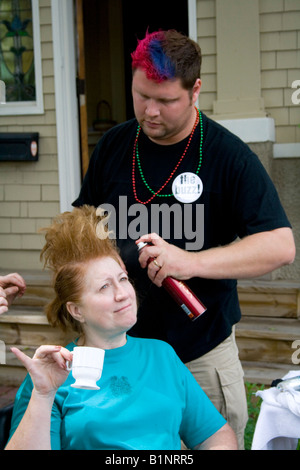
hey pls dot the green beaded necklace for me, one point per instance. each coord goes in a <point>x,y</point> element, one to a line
<point>137,158</point>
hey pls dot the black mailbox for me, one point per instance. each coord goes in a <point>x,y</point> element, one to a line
<point>19,147</point>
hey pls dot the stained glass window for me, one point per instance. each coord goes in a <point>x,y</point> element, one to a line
<point>16,50</point>
<point>20,57</point>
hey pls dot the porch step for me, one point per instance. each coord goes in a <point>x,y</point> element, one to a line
<point>28,327</point>
<point>269,326</point>
<point>266,347</point>
<point>25,328</point>
<point>280,299</point>
<point>38,288</point>
<point>263,373</point>
<point>262,339</point>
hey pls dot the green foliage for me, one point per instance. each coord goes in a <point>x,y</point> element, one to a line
<point>253,411</point>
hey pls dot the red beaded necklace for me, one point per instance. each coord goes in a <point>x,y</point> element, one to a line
<point>136,157</point>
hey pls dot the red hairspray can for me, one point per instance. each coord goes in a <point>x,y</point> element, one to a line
<point>181,293</point>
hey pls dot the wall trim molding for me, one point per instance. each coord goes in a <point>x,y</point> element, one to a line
<point>289,150</point>
<point>251,129</point>
<point>256,130</point>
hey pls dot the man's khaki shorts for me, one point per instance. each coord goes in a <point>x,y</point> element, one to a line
<point>220,375</point>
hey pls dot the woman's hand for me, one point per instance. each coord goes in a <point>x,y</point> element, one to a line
<point>47,368</point>
<point>48,371</point>
<point>11,286</point>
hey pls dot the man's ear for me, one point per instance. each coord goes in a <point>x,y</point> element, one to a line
<point>196,90</point>
<point>75,311</point>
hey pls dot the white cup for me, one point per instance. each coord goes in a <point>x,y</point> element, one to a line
<point>86,366</point>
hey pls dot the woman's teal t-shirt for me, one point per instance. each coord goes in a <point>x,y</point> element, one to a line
<point>147,400</point>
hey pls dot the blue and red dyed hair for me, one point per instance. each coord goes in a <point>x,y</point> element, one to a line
<point>150,56</point>
<point>166,55</point>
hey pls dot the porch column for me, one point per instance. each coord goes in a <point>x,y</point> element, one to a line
<point>238,60</point>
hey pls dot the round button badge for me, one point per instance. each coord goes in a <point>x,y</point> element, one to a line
<point>187,187</point>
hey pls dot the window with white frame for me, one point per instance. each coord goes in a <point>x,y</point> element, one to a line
<point>20,57</point>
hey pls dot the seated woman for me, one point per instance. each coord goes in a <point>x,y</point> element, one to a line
<point>147,399</point>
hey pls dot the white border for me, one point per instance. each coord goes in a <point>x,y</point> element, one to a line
<point>30,107</point>
<point>67,120</point>
<point>251,129</point>
<point>291,150</point>
<point>261,130</point>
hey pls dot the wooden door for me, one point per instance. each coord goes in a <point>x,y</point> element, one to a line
<point>81,92</point>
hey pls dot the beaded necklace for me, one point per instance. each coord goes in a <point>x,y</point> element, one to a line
<point>136,157</point>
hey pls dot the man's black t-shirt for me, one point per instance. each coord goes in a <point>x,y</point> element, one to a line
<point>238,199</point>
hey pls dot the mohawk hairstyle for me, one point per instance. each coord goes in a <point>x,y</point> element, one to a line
<point>167,55</point>
<point>151,57</point>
